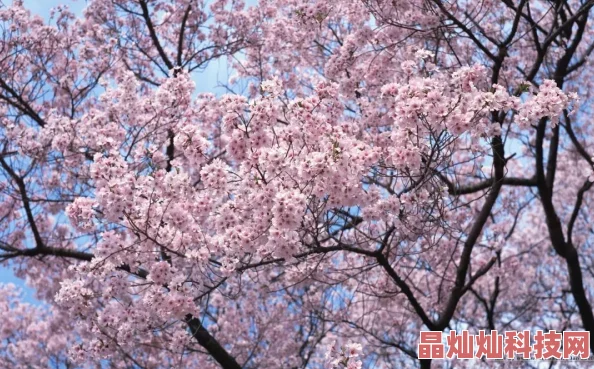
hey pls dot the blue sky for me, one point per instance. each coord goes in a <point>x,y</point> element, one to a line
<point>206,81</point>
<point>42,7</point>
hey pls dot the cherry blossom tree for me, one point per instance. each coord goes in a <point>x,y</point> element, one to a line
<point>377,168</point>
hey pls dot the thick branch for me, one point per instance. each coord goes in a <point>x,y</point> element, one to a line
<point>381,259</point>
<point>153,34</point>
<point>483,185</point>
<point>21,104</point>
<point>210,344</point>
<point>180,42</point>
<point>26,203</point>
<point>459,287</point>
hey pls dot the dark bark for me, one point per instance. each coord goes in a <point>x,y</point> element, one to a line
<point>210,344</point>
